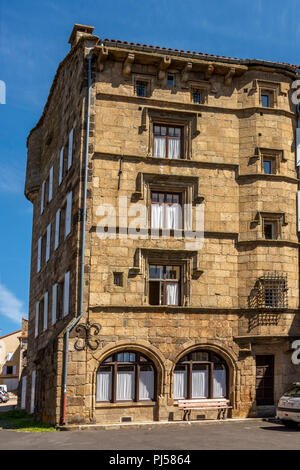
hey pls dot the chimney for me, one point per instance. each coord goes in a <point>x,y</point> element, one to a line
<point>78,31</point>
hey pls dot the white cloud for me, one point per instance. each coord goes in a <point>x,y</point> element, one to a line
<point>10,306</point>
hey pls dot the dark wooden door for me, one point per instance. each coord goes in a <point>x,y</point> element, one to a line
<point>264,380</point>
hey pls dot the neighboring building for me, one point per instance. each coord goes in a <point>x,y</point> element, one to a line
<point>160,319</point>
<point>13,349</point>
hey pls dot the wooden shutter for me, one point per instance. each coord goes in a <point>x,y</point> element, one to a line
<point>38,268</point>
<point>45,324</point>
<point>32,401</point>
<point>48,242</point>
<point>50,194</point>
<point>43,196</point>
<point>66,294</point>
<point>14,370</point>
<point>70,149</point>
<point>57,225</point>
<point>37,310</point>
<point>68,214</point>
<point>61,165</point>
<point>4,370</point>
<point>54,303</point>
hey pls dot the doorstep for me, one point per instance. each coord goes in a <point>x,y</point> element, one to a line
<point>155,424</point>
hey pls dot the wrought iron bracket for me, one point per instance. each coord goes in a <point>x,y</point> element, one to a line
<point>89,331</point>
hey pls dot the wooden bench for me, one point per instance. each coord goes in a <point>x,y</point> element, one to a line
<point>220,404</point>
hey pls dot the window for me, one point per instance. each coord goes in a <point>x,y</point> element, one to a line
<point>9,356</point>
<point>164,285</point>
<point>270,291</point>
<point>62,297</point>
<point>268,166</point>
<point>118,279</point>
<point>167,141</point>
<point>9,370</point>
<point>270,230</point>
<point>126,376</point>
<point>141,88</point>
<point>166,210</point>
<point>200,374</point>
<point>170,79</point>
<point>196,96</point>
<point>267,98</point>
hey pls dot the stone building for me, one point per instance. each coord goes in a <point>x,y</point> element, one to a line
<point>13,351</point>
<point>137,147</point>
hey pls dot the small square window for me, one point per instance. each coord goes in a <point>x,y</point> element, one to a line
<point>118,279</point>
<point>267,98</point>
<point>9,370</point>
<point>170,79</point>
<point>141,89</point>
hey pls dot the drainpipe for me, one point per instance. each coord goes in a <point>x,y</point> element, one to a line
<point>77,319</point>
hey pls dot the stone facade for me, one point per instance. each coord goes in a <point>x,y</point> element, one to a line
<point>226,139</point>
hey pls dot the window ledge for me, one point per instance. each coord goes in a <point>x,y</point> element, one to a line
<point>125,404</point>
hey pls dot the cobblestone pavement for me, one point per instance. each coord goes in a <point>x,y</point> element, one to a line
<point>233,436</point>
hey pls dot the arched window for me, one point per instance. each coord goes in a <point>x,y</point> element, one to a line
<point>200,374</point>
<point>126,376</point>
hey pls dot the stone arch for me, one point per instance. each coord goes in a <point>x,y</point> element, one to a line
<point>143,347</point>
<point>229,356</point>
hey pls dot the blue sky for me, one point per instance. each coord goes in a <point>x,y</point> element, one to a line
<point>34,39</point>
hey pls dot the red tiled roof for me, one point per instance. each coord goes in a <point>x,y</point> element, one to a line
<point>9,334</point>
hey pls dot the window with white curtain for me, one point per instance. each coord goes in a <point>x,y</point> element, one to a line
<point>200,374</point>
<point>166,210</point>
<point>126,376</point>
<point>167,141</point>
<point>164,285</point>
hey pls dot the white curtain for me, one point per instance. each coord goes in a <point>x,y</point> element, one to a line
<point>199,383</point>
<point>179,386</point>
<point>160,147</point>
<point>172,294</point>
<point>104,386</point>
<point>174,148</point>
<point>219,383</point>
<point>146,384</point>
<point>125,385</point>
<point>157,216</point>
<point>173,217</point>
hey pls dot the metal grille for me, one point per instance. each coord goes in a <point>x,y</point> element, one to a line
<point>270,291</point>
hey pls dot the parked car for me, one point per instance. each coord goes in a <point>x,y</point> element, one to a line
<point>4,397</point>
<point>288,408</point>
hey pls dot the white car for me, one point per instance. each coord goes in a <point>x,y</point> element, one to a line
<point>288,408</point>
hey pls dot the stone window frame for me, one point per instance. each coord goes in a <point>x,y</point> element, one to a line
<point>201,86</point>
<point>111,287</point>
<point>187,186</point>
<point>187,260</point>
<point>278,218</point>
<point>276,155</point>
<point>269,87</point>
<point>149,81</point>
<point>185,119</point>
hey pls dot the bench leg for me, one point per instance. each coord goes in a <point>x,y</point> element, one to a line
<point>219,414</point>
<point>184,414</point>
<point>224,413</point>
